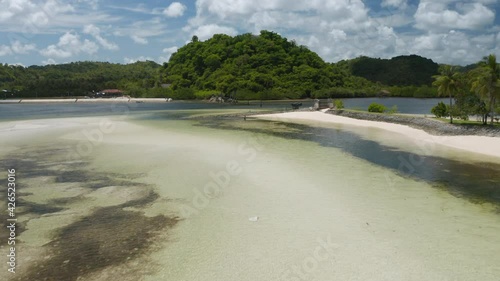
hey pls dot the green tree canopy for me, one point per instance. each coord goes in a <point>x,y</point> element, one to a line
<point>448,83</point>
<point>398,71</point>
<point>266,65</point>
<point>486,82</point>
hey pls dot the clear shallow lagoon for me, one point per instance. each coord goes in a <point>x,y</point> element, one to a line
<point>56,110</point>
<point>159,198</point>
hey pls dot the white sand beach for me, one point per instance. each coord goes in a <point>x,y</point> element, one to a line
<point>478,144</point>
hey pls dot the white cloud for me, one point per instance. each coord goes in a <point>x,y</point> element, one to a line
<point>431,42</point>
<point>341,29</point>
<point>5,50</point>
<point>19,48</point>
<point>16,47</point>
<point>139,8</point>
<point>226,9</point>
<point>49,61</point>
<point>385,31</point>
<point>39,13</point>
<point>54,51</point>
<point>41,17</point>
<point>206,31</point>
<point>133,60</point>
<point>96,33</point>
<point>338,34</point>
<point>174,10</point>
<point>69,45</point>
<point>170,51</point>
<point>454,47</point>
<point>439,16</point>
<point>167,53</point>
<point>139,40</point>
<point>94,4</point>
<point>140,31</point>
<point>92,30</point>
<point>394,3</point>
<point>338,19</point>
<point>336,29</point>
<point>486,40</point>
<point>17,64</point>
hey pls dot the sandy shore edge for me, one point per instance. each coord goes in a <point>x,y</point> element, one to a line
<point>478,144</point>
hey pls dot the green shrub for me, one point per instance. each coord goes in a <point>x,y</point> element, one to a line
<point>339,104</point>
<point>205,94</point>
<point>394,109</point>
<point>376,107</point>
<point>440,110</point>
<point>183,94</point>
<point>425,92</point>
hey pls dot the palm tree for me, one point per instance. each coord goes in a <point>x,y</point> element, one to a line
<point>486,81</point>
<point>447,83</point>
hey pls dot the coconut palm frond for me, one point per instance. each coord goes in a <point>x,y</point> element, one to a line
<point>447,83</point>
<point>486,81</point>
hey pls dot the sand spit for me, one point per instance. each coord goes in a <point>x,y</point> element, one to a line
<point>431,126</point>
<point>477,144</point>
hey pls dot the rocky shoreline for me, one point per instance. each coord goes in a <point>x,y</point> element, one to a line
<point>431,126</point>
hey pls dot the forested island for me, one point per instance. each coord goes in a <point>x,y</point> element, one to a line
<point>247,66</point>
<point>264,66</point>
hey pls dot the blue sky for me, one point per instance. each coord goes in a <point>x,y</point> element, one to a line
<point>59,31</point>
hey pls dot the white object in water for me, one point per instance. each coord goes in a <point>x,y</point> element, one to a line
<point>253,219</point>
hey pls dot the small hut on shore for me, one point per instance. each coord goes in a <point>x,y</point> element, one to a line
<point>109,93</point>
<point>323,103</point>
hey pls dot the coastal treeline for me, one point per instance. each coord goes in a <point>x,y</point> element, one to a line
<point>268,66</point>
<point>247,66</point>
<point>398,71</point>
<point>471,90</point>
<point>77,79</point>
<point>264,66</point>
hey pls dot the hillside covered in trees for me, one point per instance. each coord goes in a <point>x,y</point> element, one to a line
<point>398,71</point>
<point>77,78</point>
<point>264,66</point>
<point>247,66</point>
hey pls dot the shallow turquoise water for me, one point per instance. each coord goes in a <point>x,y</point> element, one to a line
<point>160,198</point>
<point>473,180</point>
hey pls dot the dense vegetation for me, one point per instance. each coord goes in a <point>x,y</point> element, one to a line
<point>376,107</point>
<point>77,78</point>
<point>475,91</point>
<point>270,66</point>
<point>398,71</point>
<point>265,66</point>
<point>440,110</point>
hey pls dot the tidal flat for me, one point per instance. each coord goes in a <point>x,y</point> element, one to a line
<point>151,198</point>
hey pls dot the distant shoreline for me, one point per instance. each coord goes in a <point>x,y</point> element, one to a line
<point>80,100</point>
<point>126,99</point>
